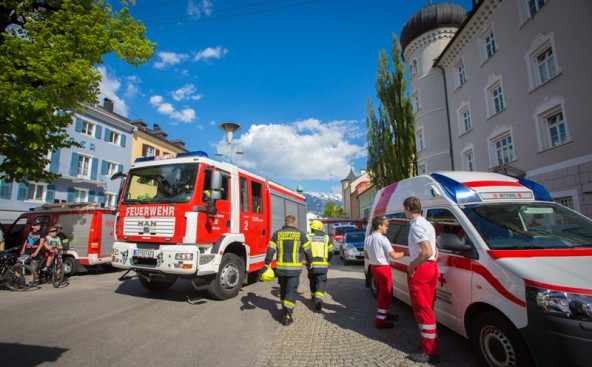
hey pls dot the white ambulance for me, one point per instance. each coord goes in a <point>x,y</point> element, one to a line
<point>515,269</point>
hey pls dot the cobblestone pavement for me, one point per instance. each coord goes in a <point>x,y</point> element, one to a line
<point>343,333</point>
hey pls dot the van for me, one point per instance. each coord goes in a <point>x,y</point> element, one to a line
<point>89,228</point>
<point>515,268</point>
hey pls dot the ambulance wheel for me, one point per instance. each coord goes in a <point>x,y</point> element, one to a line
<point>229,279</point>
<point>70,266</point>
<point>157,284</point>
<point>498,341</point>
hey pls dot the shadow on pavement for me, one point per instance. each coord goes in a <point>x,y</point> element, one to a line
<point>24,355</point>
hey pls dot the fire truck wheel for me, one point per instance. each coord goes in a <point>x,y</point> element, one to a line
<point>498,341</point>
<point>70,266</point>
<point>157,285</point>
<point>229,279</point>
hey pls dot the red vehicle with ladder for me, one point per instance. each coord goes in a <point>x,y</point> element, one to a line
<point>189,216</point>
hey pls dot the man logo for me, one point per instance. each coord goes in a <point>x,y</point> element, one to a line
<point>146,223</point>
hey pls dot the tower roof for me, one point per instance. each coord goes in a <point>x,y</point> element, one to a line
<point>351,177</point>
<point>431,17</point>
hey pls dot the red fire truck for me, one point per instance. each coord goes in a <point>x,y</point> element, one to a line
<point>189,216</point>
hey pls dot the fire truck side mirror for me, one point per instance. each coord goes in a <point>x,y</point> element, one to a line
<point>117,175</point>
<point>216,185</point>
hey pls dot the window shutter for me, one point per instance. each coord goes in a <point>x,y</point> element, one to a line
<point>104,167</point>
<point>101,197</point>
<point>5,190</point>
<point>98,129</point>
<point>120,169</point>
<point>157,152</point>
<point>94,169</point>
<point>50,194</point>
<point>107,131</point>
<point>91,196</point>
<point>122,140</point>
<point>74,165</point>
<point>54,165</point>
<point>78,125</point>
<point>144,149</point>
<point>70,194</point>
<point>23,191</point>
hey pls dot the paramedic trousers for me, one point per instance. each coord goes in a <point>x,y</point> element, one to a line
<point>318,283</point>
<point>422,291</point>
<point>288,291</point>
<point>384,292</point>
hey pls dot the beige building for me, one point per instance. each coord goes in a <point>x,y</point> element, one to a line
<point>502,88</point>
<point>151,142</point>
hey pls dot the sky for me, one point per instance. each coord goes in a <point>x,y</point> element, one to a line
<point>294,74</point>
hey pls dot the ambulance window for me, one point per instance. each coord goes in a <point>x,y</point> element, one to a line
<point>244,199</point>
<point>398,232</point>
<point>444,221</point>
<point>257,197</point>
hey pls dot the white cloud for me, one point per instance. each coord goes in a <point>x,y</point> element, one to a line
<point>185,115</point>
<point>304,150</point>
<point>108,87</point>
<point>210,53</point>
<point>204,7</point>
<point>169,58</point>
<point>132,86</point>
<point>186,92</point>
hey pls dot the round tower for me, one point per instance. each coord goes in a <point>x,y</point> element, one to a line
<point>423,38</point>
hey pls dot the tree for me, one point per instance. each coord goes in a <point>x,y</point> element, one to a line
<point>332,210</point>
<point>391,134</point>
<point>48,53</point>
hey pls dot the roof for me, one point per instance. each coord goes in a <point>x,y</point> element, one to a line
<point>431,17</point>
<point>351,177</point>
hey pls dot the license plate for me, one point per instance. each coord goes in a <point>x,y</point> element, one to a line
<point>144,253</point>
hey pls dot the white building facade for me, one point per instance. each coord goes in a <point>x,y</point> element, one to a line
<point>506,92</point>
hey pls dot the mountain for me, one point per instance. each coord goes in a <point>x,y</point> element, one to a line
<point>316,201</point>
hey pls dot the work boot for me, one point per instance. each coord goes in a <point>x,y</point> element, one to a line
<point>287,318</point>
<point>392,317</point>
<point>386,325</point>
<point>424,358</point>
<point>318,304</point>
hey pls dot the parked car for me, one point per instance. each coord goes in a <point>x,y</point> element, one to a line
<point>338,233</point>
<point>352,247</point>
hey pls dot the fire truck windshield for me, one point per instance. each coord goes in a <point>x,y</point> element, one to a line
<point>173,183</point>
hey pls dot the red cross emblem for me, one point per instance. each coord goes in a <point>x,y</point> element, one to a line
<point>441,279</point>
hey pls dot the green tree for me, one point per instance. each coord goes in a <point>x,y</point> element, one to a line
<point>332,210</point>
<point>48,53</point>
<point>391,134</point>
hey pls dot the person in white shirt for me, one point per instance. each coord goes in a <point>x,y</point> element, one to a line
<point>422,279</point>
<point>379,251</point>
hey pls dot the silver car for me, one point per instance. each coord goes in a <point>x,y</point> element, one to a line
<point>352,248</point>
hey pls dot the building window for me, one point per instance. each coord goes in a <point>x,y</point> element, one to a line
<point>546,65</point>
<point>5,189</point>
<point>494,95</point>
<point>489,44</point>
<point>112,168</point>
<point>84,164</point>
<point>419,141</point>
<point>36,191</point>
<point>80,195</point>
<point>149,151</point>
<point>469,160</point>
<point>498,99</point>
<point>503,149</point>
<point>566,201</point>
<point>414,67</point>
<point>535,5</point>
<point>461,75</point>
<point>88,128</point>
<point>557,129</point>
<point>552,124</point>
<point>113,137</point>
<point>422,169</point>
<point>109,199</point>
<point>416,104</point>
<point>464,119</point>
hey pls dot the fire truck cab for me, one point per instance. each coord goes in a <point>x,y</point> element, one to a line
<point>188,216</point>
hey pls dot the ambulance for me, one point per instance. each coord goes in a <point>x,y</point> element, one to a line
<point>515,269</point>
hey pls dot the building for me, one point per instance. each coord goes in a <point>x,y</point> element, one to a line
<point>502,88</point>
<point>358,195</point>
<point>151,142</point>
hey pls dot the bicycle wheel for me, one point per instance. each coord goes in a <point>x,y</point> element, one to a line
<point>21,277</point>
<point>58,274</point>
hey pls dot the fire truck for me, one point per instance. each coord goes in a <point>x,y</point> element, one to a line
<point>192,217</point>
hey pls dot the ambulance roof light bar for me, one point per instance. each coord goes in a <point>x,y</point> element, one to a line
<point>456,191</point>
<point>197,153</point>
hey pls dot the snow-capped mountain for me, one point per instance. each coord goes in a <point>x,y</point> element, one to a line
<point>316,201</point>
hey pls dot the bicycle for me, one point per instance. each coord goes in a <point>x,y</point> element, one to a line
<point>16,276</point>
<point>55,273</point>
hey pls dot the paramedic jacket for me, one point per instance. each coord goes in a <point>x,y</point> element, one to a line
<point>289,243</point>
<point>319,251</point>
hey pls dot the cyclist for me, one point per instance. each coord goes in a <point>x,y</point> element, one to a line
<point>53,245</point>
<point>35,243</point>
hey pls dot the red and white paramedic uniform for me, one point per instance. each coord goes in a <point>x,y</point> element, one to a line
<point>378,247</point>
<point>422,285</point>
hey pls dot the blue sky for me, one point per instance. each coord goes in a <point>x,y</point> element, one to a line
<point>295,74</point>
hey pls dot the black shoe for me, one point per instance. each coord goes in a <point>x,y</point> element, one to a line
<point>287,319</point>
<point>424,358</point>
<point>388,325</point>
<point>318,305</point>
<point>392,317</point>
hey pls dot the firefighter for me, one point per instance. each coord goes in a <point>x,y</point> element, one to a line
<point>422,279</point>
<point>289,243</point>
<point>319,252</point>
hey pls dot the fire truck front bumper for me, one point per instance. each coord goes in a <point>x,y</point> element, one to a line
<point>170,259</point>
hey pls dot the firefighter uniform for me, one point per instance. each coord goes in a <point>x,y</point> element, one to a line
<point>319,252</point>
<point>289,243</point>
<point>422,285</point>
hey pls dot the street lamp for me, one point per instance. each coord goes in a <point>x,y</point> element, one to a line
<point>230,128</point>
